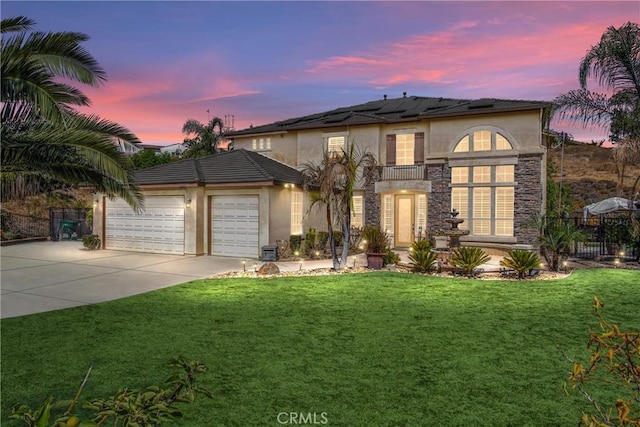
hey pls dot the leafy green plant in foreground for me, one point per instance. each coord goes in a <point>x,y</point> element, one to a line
<point>421,258</point>
<point>469,258</point>
<point>521,261</point>
<point>617,354</point>
<point>154,405</point>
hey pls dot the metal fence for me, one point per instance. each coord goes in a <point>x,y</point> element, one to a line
<point>69,223</point>
<point>605,237</point>
<point>16,226</point>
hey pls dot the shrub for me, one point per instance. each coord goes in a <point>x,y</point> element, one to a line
<point>521,261</point>
<point>617,354</point>
<point>323,239</point>
<point>310,242</point>
<point>469,258</point>
<point>421,258</point>
<point>152,406</point>
<point>355,238</point>
<point>556,239</point>
<point>295,242</point>
<point>91,242</point>
<point>391,257</point>
<point>377,239</point>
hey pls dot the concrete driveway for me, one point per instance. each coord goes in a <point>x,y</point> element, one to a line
<point>44,276</point>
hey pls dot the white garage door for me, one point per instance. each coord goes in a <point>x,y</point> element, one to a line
<point>234,226</point>
<point>159,229</point>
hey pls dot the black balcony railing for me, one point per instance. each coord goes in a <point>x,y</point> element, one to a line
<point>403,173</point>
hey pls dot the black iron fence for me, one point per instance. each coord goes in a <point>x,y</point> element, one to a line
<point>605,237</point>
<point>17,227</point>
<point>69,223</point>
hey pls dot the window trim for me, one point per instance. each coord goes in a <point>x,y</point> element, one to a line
<point>515,147</point>
<point>492,185</point>
<point>297,200</point>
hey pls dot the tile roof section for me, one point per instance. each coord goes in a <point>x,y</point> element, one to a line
<point>237,166</point>
<point>396,110</point>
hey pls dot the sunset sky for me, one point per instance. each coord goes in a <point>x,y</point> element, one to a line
<point>267,61</point>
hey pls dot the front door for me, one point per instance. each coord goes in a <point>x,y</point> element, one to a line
<point>404,220</point>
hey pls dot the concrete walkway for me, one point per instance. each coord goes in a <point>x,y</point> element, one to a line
<point>45,276</point>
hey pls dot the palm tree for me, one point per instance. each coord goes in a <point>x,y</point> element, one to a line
<point>317,183</point>
<point>353,161</point>
<point>45,143</point>
<point>615,63</point>
<point>204,139</point>
<point>334,181</point>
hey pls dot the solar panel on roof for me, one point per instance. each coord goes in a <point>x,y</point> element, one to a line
<point>481,103</point>
<point>337,118</point>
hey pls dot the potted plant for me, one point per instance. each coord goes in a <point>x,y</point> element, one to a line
<point>91,242</point>
<point>377,242</point>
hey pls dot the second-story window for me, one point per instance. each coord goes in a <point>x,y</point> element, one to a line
<point>405,149</point>
<point>335,144</point>
<point>405,144</point>
<point>261,144</point>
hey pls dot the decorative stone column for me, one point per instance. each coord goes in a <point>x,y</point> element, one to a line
<point>529,197</point>
<point>372,202</point>
<point>439,205</point>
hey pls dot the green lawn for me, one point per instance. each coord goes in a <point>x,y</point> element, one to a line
<point>377,349</point>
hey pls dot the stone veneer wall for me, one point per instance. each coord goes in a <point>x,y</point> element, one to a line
<point>439,203</point>
<point>528,198</point>
<point>372,203</point>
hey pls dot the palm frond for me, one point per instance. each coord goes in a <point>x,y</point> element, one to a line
<point>615,60</point>
<point>584,106</point>
<point>17,24</point>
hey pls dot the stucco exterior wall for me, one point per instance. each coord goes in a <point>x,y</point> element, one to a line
<point>280,215</point>
<point>522,128</point>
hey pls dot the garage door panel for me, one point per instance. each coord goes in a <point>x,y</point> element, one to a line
<point>235,225</point>
<point>160,229</point>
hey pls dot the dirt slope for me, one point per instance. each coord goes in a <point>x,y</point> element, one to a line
<point>590,172</point>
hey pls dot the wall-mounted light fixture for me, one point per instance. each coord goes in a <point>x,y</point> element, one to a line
<point>289,185</point>
<point>188,203</point>
<point>95,201</point>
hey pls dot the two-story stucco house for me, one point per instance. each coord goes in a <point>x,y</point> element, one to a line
<point>484,158</point>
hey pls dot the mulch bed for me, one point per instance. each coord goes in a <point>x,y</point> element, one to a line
<point>544,275</point>
<point>404,268</point>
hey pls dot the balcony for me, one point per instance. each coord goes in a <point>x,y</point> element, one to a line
<point>403,173</point>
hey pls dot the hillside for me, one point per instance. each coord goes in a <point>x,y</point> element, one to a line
<point>590,172</point>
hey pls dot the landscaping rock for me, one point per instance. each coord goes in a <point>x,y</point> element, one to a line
<point>268,268</point>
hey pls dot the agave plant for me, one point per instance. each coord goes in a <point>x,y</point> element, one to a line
<point>421,258</point>
<point>521,261</point>
<point>469,258</point>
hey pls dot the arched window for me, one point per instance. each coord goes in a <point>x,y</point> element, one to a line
<point>482,140</point>
<point>484,193</point>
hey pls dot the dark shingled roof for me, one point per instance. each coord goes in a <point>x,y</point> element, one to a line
<point>237,166</point>
<point>396,110</point>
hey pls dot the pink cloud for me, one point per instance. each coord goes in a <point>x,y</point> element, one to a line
<point>151,107</point>
<point>471,57</point>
